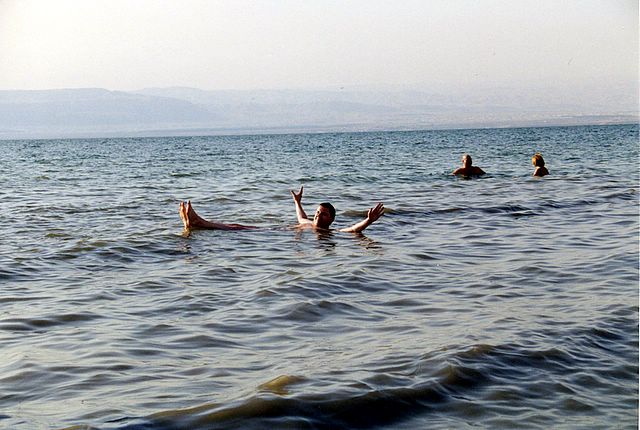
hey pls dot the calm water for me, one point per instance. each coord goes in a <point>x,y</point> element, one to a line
<point>500,302</point>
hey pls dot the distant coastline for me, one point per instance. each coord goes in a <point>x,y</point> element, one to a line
<point>95,113</point>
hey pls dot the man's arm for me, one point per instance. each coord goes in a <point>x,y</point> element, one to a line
<point>372,216</point>
<point>297,199</point>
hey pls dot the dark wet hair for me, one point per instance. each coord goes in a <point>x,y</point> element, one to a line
<point>332,210</point>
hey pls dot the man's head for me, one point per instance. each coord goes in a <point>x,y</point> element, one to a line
<point>466,160</point>
<point>325,214</point>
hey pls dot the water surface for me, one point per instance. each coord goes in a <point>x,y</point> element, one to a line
<point>501,302</point>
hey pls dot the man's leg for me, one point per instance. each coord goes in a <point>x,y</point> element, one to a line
<point>191,219</point>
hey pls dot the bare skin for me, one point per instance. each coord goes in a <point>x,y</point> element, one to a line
<point>323,218</point>
<point>321,221</point>
<point>467,168</point>
<point>540,171</point>
<point>192,220</point>
<point>538,163</point>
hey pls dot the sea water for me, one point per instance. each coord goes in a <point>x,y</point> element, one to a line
<point>505,301</point>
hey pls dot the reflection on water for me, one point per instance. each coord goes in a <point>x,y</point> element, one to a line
<point>502,302</point>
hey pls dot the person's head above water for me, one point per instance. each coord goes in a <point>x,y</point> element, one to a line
<point>537,160</point>
<point>322,220</point>
<point>467,168</point>
<point>325,215</point>
<point>538,163</point>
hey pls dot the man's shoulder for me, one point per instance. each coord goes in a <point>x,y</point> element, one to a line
<point>468,171</point>
<point>477,171</point>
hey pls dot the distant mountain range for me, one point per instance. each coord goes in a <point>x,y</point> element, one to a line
<point>190,111</point>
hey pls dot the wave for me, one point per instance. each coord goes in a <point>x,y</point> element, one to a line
<point>492,383</point>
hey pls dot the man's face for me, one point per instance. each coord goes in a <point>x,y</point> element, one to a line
<point>322,217</point>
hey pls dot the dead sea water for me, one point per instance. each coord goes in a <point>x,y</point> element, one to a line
<point>500,302</point>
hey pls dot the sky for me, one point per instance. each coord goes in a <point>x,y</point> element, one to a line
<point>278,44</point>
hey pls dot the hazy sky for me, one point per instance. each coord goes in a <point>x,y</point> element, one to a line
<point>235,44</point>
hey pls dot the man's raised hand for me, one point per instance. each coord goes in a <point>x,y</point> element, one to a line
<point>297,197</point>
<point>374,213</point>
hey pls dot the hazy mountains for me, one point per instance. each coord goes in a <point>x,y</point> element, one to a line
<point>91,111</point>
<point>175,111</point>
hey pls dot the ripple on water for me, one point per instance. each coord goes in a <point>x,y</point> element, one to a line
<point>43,323</point>
<point>499,303</point>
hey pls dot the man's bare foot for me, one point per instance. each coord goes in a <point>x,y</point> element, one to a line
<point>193,218</point>
<point>183,216</point>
